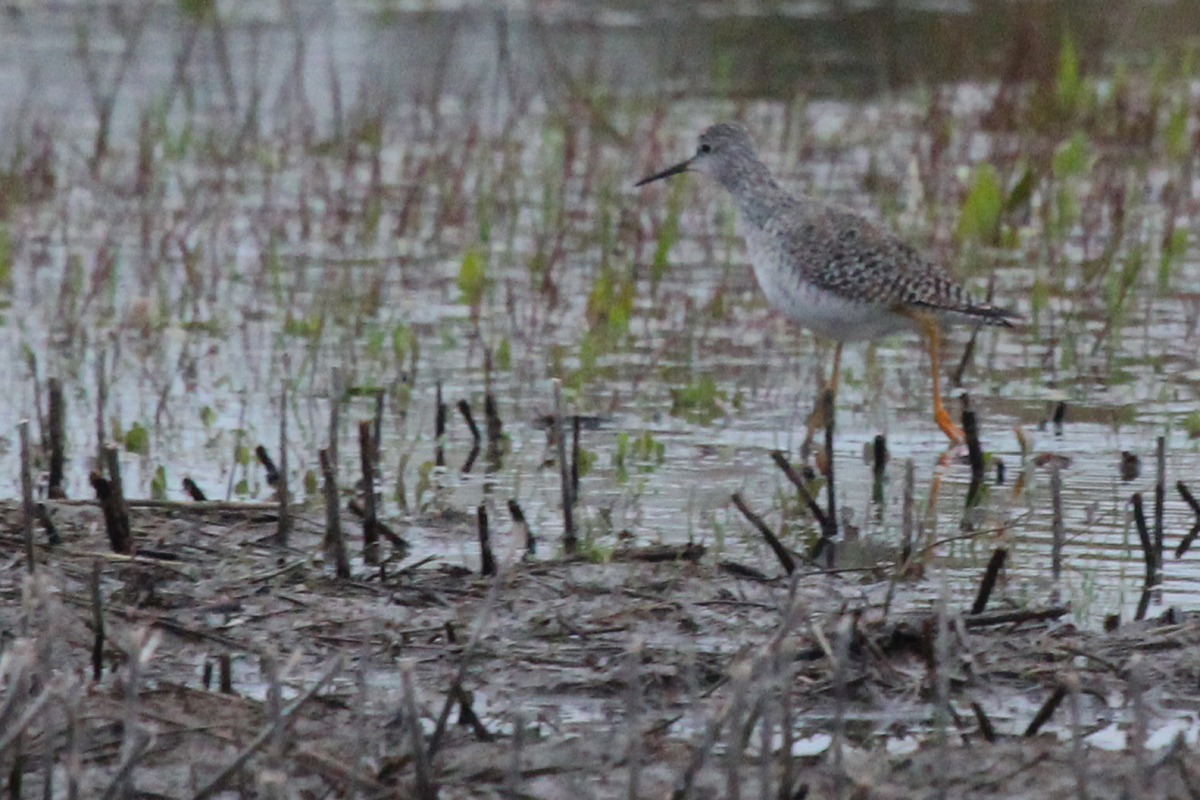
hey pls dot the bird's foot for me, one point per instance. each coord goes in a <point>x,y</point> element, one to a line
<point>953,432</point>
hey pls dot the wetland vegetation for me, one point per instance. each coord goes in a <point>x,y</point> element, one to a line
<point>383,215</point>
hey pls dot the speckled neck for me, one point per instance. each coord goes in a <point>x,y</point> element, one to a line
<point>758,196</point>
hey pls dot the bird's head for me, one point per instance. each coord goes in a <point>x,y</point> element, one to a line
<point>719,147</point>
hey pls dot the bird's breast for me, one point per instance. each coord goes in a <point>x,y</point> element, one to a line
<point>785,279</point>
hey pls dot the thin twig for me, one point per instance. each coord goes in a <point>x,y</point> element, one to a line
<point>284,525</point>
<point>521,526</point>
<point>464,408</point>
<point>879,459</point>
<point>486,559</point>
<point>439,429</point>
<point>139,748</point>
<point>1056,523</point>
<point>366,452</point>
<point>33,711</point>
<point>828,529</point>
<point>1009,617</point>
<point>995,564</point>
<point>1046,711</point>
<point>830,490</point>
<point>1160,496</point>
<point>27,507</point>
<point>268,733</point>
<point>424,789</point>
<point>974,455</point>
<point>56,438</point>
<point>120,507</point>
<point>568,500</point>
<point>786,559</point>
<point>97,621</point>
<point>335,543</point>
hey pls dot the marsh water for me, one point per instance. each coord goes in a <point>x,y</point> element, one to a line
<point>424,197</point>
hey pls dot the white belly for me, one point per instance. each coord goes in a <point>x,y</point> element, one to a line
<point>822,312</point>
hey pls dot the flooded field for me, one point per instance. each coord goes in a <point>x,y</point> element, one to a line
<point>383,209</point>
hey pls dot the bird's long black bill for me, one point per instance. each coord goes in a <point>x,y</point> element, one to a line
<point>666,173</point>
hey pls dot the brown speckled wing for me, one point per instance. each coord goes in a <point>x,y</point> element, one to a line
<point>848,255</point>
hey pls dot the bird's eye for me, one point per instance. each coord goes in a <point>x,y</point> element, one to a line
<point>706,148</point>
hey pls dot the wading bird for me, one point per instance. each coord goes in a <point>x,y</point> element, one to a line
<point>830,269</point>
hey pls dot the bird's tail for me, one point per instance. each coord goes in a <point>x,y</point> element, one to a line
<point>975,313</point>
<point>993,315</point>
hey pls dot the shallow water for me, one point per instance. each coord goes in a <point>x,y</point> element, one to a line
<point>226,278</point>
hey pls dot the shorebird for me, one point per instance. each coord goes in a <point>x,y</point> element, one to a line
<point>831,270</point>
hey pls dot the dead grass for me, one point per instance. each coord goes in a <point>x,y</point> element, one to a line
<point>615,680</point>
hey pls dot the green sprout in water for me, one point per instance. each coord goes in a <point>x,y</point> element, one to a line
<point>425,485</point>
<point>472,279</point>
<point>700,401</point>
<point>158,484</point>
<point>585,462</point>
<point>1071,160</point>
<point>642,452</point>
<point>503,356</point>
<point>405,346</point>
<point>1174,249</point>
<point>980,218</point>
<point>1120,282</point>
<point>137,440</point>
<point>1191,424</point>
<point>610,302</point>
<point>304,327</point>
<point>667,236</point>
<point>6,260</point>
<point>1068,83</point>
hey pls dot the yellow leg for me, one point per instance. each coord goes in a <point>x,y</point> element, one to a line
<point>816,420</point>
<point>933,338</point>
